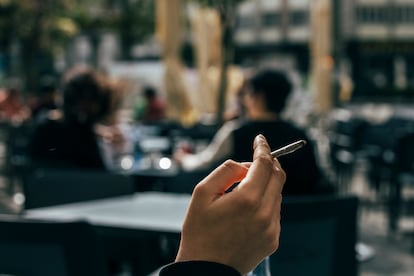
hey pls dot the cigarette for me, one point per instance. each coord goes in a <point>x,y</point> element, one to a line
<point>288,149</point>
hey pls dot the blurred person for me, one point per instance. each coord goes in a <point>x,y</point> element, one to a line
<point>209,243</point>
<point>69,137</point>
<point>264,98</point>
<point>151,108</point>
<point>236,109</point>
<point>12,107</point>
<point>48,97</point>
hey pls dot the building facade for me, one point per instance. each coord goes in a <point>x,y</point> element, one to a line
<point>371,39</point>
<point>271,31</point>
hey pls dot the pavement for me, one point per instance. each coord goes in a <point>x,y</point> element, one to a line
<point>391,252</point>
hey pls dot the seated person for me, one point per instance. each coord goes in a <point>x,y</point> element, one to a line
<point>209,243</point>
<point>48,98</point>
<point>150,109</point>
<point>12,107</point>
<point>69,138</point>
<point>264,99</point>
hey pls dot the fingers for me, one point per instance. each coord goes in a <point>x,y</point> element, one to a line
<point>260,170</point>
<point>263,176</point>
<point>277,180</point>
<point>261,147</point>
<point>217,182</point>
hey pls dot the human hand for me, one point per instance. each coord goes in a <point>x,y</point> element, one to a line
<point>181,151</point>
<point>111,135</point>
<point>241,227</point>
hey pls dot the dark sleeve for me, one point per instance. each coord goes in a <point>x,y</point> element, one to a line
<point>43,140</point>
<point>199,268</point>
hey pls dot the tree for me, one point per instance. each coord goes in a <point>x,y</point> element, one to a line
<point>43,28</point>
<point>227,12</point>
<point>40,28</point>
<point>136,21</point>
<point>132,20</point>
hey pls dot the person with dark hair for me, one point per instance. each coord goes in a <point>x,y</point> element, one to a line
<point>47,98</point>
<point>151,109</point>
<point>264,98</point>
<point>69,137</point>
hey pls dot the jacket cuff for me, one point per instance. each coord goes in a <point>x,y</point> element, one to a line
<point>199,268</point>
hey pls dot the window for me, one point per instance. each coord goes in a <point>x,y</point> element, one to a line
<point>298,18</point>
<point>270,19</point>
<point>372,15</point>
<point>245,22</point>
<point>404,14</point>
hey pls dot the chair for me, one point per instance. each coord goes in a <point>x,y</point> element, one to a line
<point>402,174</point>
<point>49,248</point>
<point>343,149</point>
<point>17,161</point>
<point>185,182</point>
<point>318,237</point>
<point>48,187</point>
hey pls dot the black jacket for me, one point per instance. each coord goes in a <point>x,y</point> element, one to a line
<point>303,172</point>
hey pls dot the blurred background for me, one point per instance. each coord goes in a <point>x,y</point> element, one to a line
<point>351,63</point>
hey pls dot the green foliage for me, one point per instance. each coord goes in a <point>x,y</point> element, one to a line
<point>56,21</point>
<point>43,21</point>
<point>43,28</point>
<point>138,19</point>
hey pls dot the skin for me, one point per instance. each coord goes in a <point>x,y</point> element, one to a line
<point>242,227</point>
<point>255,105</point>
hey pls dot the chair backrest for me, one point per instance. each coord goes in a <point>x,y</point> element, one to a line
<point>318,237</point>
<point>49,248</point>
<point>185,182</point>
<point>404,154</point>
<point>48,187</point>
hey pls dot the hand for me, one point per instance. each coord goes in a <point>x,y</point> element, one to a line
<point>179,155</point>
<point>111,135</point>
<point>239,228</point>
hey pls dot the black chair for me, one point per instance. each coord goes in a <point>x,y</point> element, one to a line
<point>402,174</point>
<point>32,248</point>
<point>17,161</point>
<point>47,187</point>
<point>318,237</point>
<point>185,182</point>
<point>343,149</point>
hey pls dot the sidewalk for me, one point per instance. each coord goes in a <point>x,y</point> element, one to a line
<point>392,252</point>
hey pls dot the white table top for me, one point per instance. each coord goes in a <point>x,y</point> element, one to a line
<point>152,211</point>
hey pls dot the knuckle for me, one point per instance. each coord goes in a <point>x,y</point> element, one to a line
<point>263,221</point>
<point>200,190</point>
<point>247,201</point>
<point>265,160</point>
<point>280,173</point>
<point>230,164</point>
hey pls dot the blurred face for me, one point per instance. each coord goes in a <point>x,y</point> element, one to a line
<point>247,100</point>
<point>253,102</point>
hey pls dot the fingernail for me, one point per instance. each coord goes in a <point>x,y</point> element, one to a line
<point>260,137</point>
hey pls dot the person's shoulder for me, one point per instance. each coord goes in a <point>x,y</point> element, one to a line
<point>233,124</point>
<point>292,127</point>
<point>50,119</point>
